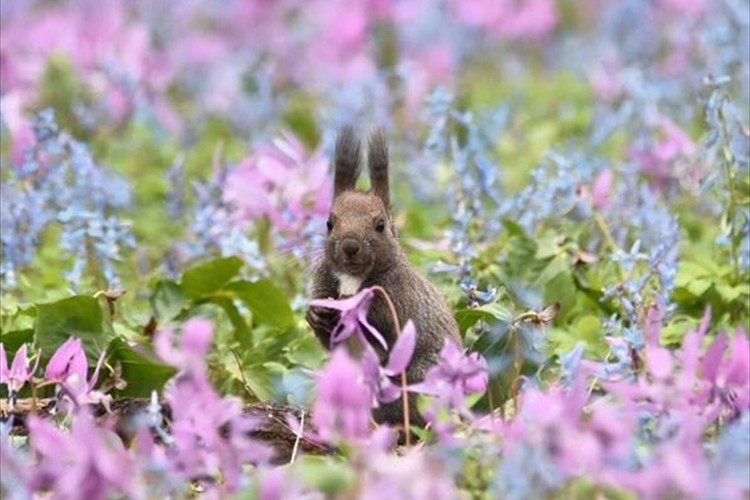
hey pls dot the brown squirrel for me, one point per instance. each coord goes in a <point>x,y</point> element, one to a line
<point>362,251</point>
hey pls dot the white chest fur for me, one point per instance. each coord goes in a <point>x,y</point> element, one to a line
<point>348,284</point>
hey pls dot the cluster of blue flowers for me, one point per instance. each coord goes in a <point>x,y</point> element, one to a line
<point>58,185</point>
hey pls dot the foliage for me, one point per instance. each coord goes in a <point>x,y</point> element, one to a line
<point>577,185</point>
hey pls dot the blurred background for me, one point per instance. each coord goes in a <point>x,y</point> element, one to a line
<point>574,175</point>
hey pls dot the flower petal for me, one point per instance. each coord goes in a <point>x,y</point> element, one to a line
<point>19,370</point>
<point>362,299</point>
<point>3,365</point>
<point>68,359</point>
<point>403,349</point>
<point>373,331</point>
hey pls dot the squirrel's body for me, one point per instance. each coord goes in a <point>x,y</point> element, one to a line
<point>362,251</point>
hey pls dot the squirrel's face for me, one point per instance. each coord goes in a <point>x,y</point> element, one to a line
<point>360,236</point>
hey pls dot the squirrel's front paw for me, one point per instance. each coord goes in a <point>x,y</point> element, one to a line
<point>323,321</point>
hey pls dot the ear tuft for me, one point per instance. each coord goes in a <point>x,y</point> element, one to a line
<point>347,161</point>
<point>377,158</point>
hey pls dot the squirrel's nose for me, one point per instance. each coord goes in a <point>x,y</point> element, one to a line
<point>350,246</point>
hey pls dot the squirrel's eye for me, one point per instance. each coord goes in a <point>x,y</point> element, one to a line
<point>329,224</point>
<point>380,225</point>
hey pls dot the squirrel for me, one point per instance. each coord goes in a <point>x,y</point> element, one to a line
<point>361,251</point>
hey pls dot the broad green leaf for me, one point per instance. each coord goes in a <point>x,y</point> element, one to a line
<point>513,228</point>
<point>305,351</point>
<point>142,374</point>
<point>14,339</point>
<point>672,333</point>
<point>167,300</point>
<point>242,332</point>
<point>562,340</point>
<point>467,318</point>
<point>79,316</point>
<point>561,289</point>
<point>688,271</point>
<point>589,328</point>
<point>265,300</point>
<point>731,293</point>
<point>257,377</point>
<point>207,278</point>
<point>22,318</point>
<point>556,266</point>
<point>547,246</point>
<point>489,312</point>
<point>698,286</point>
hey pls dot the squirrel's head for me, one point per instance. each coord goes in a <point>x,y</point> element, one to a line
<point>361,238</point>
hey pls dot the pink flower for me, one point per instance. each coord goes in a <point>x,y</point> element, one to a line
<point>454,376</point>
<point>343,402</point>
<point>195,341</point>
<point>726,369</point>
<point>208,433</point>
<point>87,462</point>
<point>353,318</point>
<point>69,360</point>
<point>658,159</point>
<point>280,181</point>
<point>21,134</point>
<point>68,367</point>
<point>3,365</point>
<point>20,372</point>
<point>602,189</point>
<point>379,377</point>
<point>422,475</point>
<point>528,20</point>
<point>689,7</point>
<point>606,78</point>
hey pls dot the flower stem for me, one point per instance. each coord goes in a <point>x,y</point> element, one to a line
<point>731,178</point>
<point>611,243</point>
<point>404,393</point>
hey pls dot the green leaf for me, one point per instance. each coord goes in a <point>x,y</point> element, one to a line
<point>142,374</point>
<point>698,287</point>
<point>326,476</point>
<point>168,301</point>
<point>14,339</point>
<point>556,266</point>
<point>673,332</point>
<point>547,246</point>
<point>561,289</point>
<point>79,316</point>
<point>589,328</point>
<point>513,228</point>
<point>467,318</point>
<point>258,377</point>
<point>242,332</point>
<point>305,350</point>
<point>688,272</point>
<point>488,312</point>
<point>208,277</point>
<point>731,293</point>
<point>21,318</point>
<point>265,300</point>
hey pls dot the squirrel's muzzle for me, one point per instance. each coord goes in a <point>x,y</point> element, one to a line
<point>350,247</point>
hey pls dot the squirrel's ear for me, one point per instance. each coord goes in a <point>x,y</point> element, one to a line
<point>377,159</point>
<point>347,161</point>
